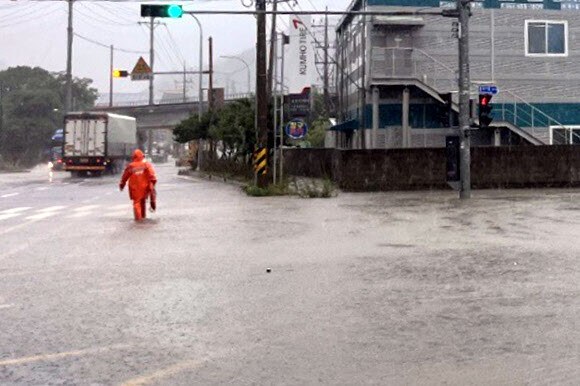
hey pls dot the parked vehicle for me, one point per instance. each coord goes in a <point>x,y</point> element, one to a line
<point>98,142</point>
<point>55,160</point>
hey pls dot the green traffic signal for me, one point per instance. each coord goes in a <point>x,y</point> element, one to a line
<point>174,11</point>
<point>156,10</point>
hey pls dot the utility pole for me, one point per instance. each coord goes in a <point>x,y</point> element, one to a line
<point>326,91</point>
<point>200,91</point>
<point>261,96</point>
<point>184,83</point>
<point>464,96</point>
<point>111,77</point>
<point>285,41</point>
<point>151,60</point>
<point>363,120</point>
<point>273,36</point>
<point>68,96</point>
<point>210,89</point>
<point>274,54</point>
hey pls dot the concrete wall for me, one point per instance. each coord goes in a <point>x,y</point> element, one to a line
<point>418,169</point>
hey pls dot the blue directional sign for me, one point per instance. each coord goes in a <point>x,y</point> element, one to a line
<point>493,90</point>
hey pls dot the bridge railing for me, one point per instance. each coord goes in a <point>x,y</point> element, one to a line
<point>170,101</point>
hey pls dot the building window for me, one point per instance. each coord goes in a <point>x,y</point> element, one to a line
<point>546,38</point>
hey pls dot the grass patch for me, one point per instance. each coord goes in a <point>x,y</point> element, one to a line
<point>269,191</point>
<point>305,188</point>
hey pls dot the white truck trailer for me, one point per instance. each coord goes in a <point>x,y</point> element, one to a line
<point>96,142</point>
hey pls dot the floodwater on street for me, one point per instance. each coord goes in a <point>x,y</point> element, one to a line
<point>403,288</point>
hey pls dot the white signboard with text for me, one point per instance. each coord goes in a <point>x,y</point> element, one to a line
<point>299,69</point>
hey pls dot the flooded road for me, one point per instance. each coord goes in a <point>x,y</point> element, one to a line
<point>394,288</point>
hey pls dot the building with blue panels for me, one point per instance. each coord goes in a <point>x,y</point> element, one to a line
<point>395,73</point>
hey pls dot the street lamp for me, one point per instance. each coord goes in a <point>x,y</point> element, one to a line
<point>200,104</point>
<point>247,66</point>
<point>200,98</point>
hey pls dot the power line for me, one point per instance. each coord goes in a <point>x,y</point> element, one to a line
<point>171,54</point>
<point>102,19</point>
<point>108,46</point>
<point>109,15</point>
<point>30,19</point>
<point>174,44</point>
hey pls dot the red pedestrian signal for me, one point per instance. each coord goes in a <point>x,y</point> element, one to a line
<point>485,109</point>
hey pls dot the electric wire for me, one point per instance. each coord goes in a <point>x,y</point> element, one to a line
<point>110,16</point>
<point>108,46</point>
<point>34,17</point>
<point>174,44</point>
<point>101,19</point>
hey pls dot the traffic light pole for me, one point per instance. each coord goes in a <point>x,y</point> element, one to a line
<point>464,96</point>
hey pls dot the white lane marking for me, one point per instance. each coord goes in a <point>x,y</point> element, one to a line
<point>123,206</point>
<point>60,355</point>
<point>4,306</point>
<point>8,215</point>
<point>42,188</point>
<point>50,209</point>
<point>16,227</point>
<point>80,214</point>
<point>11,252</point>
<point>41,216</point>
<point>117,213</point>
<point>188,178</point>
<point>9,195</point>
<point>90,200</point>
<point>86,208</point>
<point>158,375</point>
<point>16,210</point>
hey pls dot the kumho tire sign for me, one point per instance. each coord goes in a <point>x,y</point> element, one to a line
<point>300,71</point>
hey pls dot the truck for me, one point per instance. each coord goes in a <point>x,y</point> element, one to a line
<point>97,142</point>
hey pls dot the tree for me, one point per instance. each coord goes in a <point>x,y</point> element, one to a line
<point>317,132</point>
<point>232,127</point>
<point>32,101</point>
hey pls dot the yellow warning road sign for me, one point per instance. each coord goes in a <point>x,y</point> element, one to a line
<point>141,71</point>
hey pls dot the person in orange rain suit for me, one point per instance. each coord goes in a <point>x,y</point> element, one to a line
<point>142,182</point>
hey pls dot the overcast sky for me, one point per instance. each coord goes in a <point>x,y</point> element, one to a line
<point>33,33</point>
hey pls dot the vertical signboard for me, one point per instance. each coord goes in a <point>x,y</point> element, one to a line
<point>300,70</point>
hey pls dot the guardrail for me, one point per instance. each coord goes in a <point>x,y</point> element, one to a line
<point>169,101</point>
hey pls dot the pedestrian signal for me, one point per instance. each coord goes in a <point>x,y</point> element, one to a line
<point>485,109</point>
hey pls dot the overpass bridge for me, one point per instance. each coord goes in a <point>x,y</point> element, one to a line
<point>155,117</point>
<point>155,123</point>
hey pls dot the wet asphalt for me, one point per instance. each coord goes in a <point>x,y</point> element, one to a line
<point>383,288</point>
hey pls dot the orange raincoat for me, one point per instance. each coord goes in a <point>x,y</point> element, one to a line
<point>142,180</point>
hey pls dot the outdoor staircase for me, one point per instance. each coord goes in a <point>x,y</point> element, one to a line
<point>414,67</point>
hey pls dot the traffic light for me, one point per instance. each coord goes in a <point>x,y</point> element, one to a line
<point>485,108</point>
<point>120,73</point>
<point>156,10</point>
